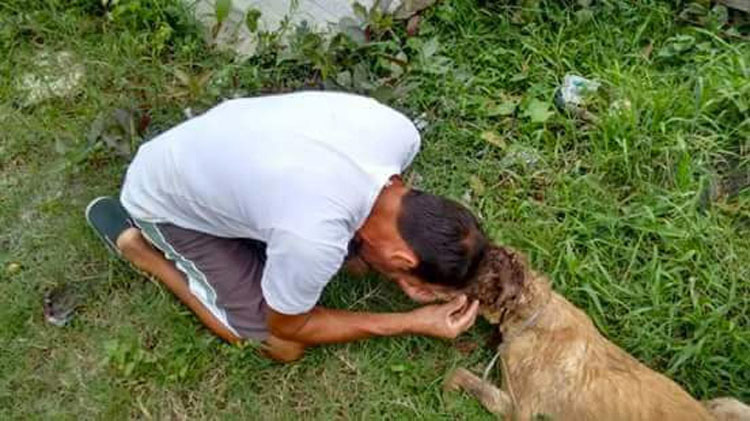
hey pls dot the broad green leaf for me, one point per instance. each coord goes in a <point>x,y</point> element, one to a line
<point>503,109</point>
<point>222,8</point>
<point>538,111</point>
<point>352,29</point>
<point>344,79</point>
<point>430,48</point>
<point>398,368</point>
<point>677,45</point>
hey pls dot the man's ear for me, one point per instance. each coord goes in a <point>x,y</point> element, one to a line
<point>404,260</point>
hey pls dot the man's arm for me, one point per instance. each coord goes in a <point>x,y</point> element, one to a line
<point>323,325</point>
<point>295,274</point>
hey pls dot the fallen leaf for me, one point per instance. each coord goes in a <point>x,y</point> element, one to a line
<point>477,185</point>
<point>493,139</point>
<point>183,77</point>
<point>504,108</point>
<point>647,50</point>
<point>144,122</point>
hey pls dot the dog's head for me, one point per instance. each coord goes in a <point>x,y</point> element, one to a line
<point>501,284</point>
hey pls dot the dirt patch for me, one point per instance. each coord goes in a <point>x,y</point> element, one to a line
<point>499,279</point>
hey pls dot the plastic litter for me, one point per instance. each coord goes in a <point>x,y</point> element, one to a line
<point>520,156</point>
<point>574,92</point>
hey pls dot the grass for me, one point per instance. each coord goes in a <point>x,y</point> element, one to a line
<point>615,211</point>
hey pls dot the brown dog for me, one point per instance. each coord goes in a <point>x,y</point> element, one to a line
<point>556,365</point>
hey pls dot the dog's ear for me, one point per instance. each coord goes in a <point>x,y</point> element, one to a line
<point>512,276</point>
<point>499,282</point>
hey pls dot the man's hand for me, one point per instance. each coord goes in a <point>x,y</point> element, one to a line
<point>445,320</point>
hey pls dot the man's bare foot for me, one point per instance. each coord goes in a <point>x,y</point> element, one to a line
<point>134,247</point>
<point>282,350</point>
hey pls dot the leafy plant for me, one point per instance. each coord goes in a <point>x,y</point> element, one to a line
<point>127,358</point>
<point>252,17</point>
<point>221,13</point>
<point>189,86</point>
<point>677,46</point>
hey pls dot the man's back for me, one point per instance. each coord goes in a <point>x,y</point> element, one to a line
<point>295,162</point>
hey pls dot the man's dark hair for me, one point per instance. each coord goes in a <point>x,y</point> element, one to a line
<point>444,235</point>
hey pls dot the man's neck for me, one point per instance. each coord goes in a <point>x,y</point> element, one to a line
<point>386,206</point>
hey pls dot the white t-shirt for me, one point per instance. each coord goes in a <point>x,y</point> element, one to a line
<point>298,171</point>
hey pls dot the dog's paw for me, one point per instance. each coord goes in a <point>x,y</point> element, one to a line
<point>728,409</point>
<point>457,380</point>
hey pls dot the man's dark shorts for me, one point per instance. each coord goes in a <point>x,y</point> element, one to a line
<point>223,273</point>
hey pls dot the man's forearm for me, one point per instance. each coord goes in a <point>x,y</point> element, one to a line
<point>324,325</point>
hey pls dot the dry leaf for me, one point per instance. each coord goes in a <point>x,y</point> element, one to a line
<point>494,139</point>
<point>477,185</point>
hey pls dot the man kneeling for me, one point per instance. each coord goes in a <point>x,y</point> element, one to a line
<point>247,211</point>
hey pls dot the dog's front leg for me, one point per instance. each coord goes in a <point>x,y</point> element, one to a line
<point>491,397</point>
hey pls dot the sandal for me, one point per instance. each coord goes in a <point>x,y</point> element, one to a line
<point>108,219</point>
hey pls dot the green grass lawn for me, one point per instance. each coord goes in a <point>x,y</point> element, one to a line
<point>619,211</point>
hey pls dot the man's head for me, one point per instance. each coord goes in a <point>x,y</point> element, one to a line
<point>424,240</point>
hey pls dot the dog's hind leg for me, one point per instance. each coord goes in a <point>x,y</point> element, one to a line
<point>491,397</point>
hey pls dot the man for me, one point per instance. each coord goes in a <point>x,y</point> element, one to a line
<point>253,206</point>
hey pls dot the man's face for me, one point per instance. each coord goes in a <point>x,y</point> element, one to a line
<point>377,256</point>
<point>394,268</point>
<point>380,244</point>
<point>425,292</point>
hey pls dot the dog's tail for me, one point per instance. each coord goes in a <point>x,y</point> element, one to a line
<point>728,409</point>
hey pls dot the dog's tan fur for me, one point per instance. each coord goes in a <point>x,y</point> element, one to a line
<point>556,363</point>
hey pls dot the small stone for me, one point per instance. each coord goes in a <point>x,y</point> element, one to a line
<point>13,268</point>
